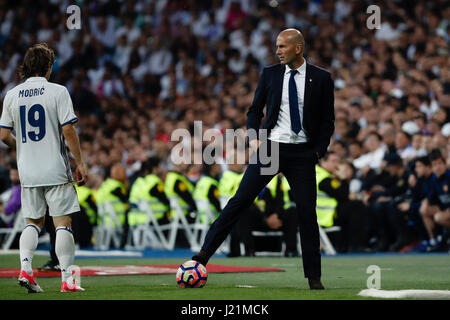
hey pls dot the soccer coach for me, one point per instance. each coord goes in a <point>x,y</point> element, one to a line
<point>300,119</point>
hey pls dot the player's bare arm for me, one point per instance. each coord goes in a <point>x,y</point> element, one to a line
<point>71,136</point>
<point>8,138</point>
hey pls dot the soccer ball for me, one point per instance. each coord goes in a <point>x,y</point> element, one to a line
<point>191,274</point>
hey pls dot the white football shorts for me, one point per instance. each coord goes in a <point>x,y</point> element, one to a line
<point>61,200</point>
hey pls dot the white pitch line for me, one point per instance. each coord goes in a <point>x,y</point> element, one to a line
<point>244,286</point>
<point>84,253</point>
<point>404,294</point>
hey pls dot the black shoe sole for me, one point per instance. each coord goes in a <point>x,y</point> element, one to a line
<point>27,286</point>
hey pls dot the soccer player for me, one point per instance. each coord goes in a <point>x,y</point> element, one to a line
<point>42,117</point>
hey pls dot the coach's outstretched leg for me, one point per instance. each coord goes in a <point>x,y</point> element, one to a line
<point>251,185</point>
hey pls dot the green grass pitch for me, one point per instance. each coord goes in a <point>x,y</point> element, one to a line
<point>343,276</point>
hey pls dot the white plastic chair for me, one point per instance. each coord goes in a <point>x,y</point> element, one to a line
<point>109,229</point>
<point>151,233</point>
<point>201,226</point>
<point>179,222</point>
<point>19,224</point>
<point>327,246</point>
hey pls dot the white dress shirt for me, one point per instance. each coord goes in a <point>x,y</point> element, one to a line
<point>282,131</point>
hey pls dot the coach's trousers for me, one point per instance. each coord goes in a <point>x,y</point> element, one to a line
<point>297,162</point>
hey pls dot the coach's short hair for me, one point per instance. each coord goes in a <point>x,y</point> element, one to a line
<point>37,61</point>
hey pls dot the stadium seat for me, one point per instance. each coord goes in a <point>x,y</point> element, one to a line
<point>180,223</point>
<point>201,226</point>
<point>277,244</point>
<point>151,233</point>
<point>11,233</point>
<point>203,221</point>
<point>109,228</point>
<point>327,246</point>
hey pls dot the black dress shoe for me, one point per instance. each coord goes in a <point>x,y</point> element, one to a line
<point>50,266</point>
<point>250,253</point>
<point>315,284</point>
<point>232,255</point>
<point>201,257</point>
<point>291,254</point>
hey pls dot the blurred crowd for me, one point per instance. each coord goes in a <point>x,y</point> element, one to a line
<point>137,70</point>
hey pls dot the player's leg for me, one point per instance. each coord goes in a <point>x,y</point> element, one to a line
<point>53,263</point>
<point>33,208</point>
<point>62,201</point>
<point>64,245</point>
<point>28,242</point>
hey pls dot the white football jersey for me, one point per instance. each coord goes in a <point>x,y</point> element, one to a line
<point>36,111</point>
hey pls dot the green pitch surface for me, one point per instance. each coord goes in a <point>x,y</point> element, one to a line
<point>344,277</point>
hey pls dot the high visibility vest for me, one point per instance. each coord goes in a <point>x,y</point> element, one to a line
<point>326,205</point>
<point>169,187</point>
<point>229,183</point>
<point>104,194</point>
<point>285,187</point>
<point>140,191</point>
<point>137,190</point>
<point>83,194</point>
<point>201,192</point>
<point>272,187</point>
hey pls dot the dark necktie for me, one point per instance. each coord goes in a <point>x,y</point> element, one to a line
<point>296,125</point>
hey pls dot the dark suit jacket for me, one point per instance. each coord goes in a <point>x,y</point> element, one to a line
<point>318,109</point>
